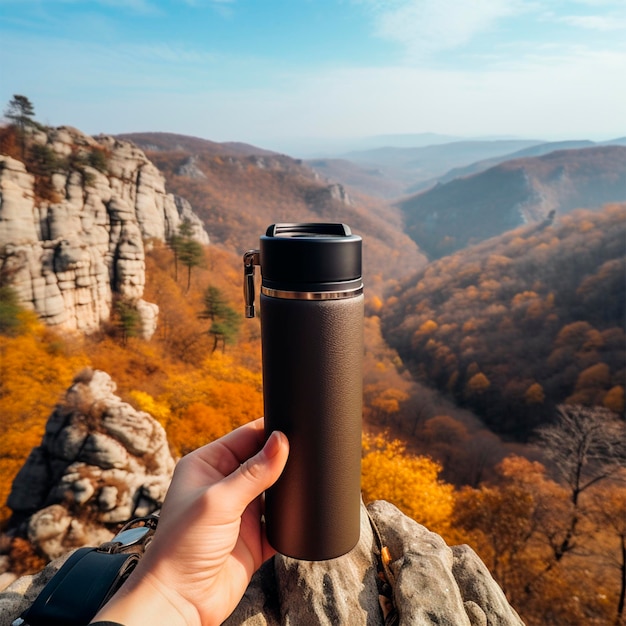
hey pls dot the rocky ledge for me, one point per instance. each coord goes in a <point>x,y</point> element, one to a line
<point>68,252</point>
<point>431,584</point>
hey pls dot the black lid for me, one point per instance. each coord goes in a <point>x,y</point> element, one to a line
<point>296,256</point>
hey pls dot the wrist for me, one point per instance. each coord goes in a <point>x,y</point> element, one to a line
<point>144,600</point>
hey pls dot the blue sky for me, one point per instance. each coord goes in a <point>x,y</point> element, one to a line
<point>278,72</point>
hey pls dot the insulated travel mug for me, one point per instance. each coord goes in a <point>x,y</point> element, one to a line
<point>312,341</point>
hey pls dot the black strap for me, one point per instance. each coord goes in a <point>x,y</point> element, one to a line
<point>84,583</point>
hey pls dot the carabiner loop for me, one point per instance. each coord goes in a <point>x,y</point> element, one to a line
<point>250,259</point>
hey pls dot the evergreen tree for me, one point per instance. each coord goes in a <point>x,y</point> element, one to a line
<point>225,321</point>
<point>10,310</point>
<point>20,111</point>
<point>191,255</point>
<point>128,320</point>
<point>186,250</point>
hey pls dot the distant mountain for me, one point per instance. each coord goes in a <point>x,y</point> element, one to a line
<point>171,142</point>
<point>332,148</point>
<point>389,172</point>
<point>467,210</point>
<point>407,140</point>
<point>368,180</point>
<point>485,164</point>
<point>522,322</point>
<point>238,190</point>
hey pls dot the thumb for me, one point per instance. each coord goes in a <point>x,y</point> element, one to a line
<point>259,472</point>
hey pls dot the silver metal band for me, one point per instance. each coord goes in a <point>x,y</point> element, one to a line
<point>312,295</point>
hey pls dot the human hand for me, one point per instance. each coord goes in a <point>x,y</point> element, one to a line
<point>209,540</point>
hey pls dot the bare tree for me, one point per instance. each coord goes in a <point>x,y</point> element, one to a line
<point>585,446</point>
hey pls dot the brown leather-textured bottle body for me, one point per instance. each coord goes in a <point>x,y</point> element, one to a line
<point>312,385</point>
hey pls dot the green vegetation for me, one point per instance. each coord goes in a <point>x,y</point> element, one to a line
<point>126,320</point>
<point>225,321</point>
<point>41,159</point>
<point>186,250</point>
<point>20,111</point>
<point>10,311</point>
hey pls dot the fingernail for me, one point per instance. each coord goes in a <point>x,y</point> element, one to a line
<point>273,444</point>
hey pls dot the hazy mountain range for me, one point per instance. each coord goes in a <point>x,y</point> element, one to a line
<point>392,172</point>
<point>469,209</point>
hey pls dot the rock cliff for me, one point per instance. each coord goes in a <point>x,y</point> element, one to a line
<point>100,463</point>
<point>68,251</point>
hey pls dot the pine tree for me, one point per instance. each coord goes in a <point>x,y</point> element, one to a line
<point>186,250</point>
<point>225,321</point>
<point>20,111</point>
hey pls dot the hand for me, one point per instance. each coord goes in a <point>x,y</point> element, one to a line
<point>210,540</point>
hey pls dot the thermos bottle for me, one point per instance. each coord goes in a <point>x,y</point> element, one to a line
<point>312,345</point>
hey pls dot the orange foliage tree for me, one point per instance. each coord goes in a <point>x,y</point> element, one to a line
<point>36,366</point>
<point>409,481</point>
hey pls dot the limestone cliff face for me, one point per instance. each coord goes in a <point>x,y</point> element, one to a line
<point>68,256</point>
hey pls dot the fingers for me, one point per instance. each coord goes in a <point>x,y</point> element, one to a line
<point>218,459</point>
<point>258,473</point>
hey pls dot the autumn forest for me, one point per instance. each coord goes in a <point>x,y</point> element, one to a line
<point>493,385</point>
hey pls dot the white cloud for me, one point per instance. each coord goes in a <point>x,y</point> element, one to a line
<point>425,26</point>
<point>603,23</point>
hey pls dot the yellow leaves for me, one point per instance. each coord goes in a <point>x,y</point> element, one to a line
<point>477,385</point>
<point>499,262</point>
<point>523,297</point>
<point>410,482</point>
<point>534,394</point>
<point>388,401</point>
<point>428,327</point>
<point>594,376</point>
<point>197,425</point>
<point>614,399</point>
<point>470,326</point>
<point>35,369</point>
<point>375,304</point>
<point>425,329</point>
<point>585,226</point>
<point>145,402</point>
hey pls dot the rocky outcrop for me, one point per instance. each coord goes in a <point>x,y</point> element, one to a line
<point>428,583</point>
<point>431,584</point>
<point>100,463</point>
<point>69,253</point>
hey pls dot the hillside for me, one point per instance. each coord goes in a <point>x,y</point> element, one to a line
<point>485,164</point>
<point>239,195</point>
<point>391,172</point>
<point>513,326</point>
<point>171,141</point>
<point>465,211</point>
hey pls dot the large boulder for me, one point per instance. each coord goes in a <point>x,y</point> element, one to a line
<point>100,463</point>
<point>427,583</point>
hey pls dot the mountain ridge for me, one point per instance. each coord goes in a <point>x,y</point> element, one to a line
<point>463,211</point>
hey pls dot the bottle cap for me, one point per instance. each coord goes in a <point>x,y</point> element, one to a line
<point>310,256</point>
